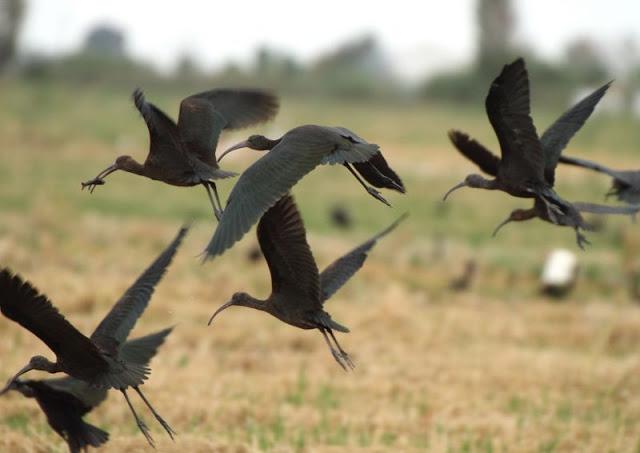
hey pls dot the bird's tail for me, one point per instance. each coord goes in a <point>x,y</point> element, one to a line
<point>87,436</point>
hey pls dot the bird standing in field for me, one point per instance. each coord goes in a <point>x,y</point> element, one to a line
<point>102,360</point>
<point>183,154</point>
<point>626,183</point>
<point>290,158</point>
<point>527,166</point>
<point>298,290</point>
<point>66,400</point>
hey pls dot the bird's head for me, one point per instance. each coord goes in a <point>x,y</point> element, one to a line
<point>37,362</point>
<point>238,299</point>
<point>517,215</point>
<point>255,142</point>
<point>18,386</point>
<point>473,180</point>
<point>126,163</point>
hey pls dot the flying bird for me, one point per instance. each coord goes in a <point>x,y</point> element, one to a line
<point>65,401</point>
<point>183,154</point>
<point>101,360</point>
<point>290,158</point>
<point>625,185</point>
<point>298,290</point>
<point>527,166</point>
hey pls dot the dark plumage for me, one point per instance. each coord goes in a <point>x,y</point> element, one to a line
<point>66,400</point>
<point>625,185</point>
<point>101,360</point>
<point>298,290</point>
<point>183,154</point>
<point>290,158</point>
<point>527,166</point>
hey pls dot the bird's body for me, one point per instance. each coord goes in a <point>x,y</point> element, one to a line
<point>183,153</point>
<point>527,166</point>
<point>298,289</point>
<point>102,360</point>
<point>625,185</point>
<point>289,159</point>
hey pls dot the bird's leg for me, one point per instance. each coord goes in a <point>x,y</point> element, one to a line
<point>336,354</point>
<point>343,353</point>
<point>373,192</point>
<point>164,424</point>
<point>141,425</point>
<point>216,212</point>
<point>581,239</point>
<point>215,193</point>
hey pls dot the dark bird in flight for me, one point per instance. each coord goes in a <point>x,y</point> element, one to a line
<point>290,158</point>
<point>626,183</point>
<point>183,154</point>
<point>101,360</point>
<point>65,401</point>
<point>298,290</point>
<point>527,166</point>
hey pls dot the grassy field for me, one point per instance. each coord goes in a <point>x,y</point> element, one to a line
<point>497,368</point>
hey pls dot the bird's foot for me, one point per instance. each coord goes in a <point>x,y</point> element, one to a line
<point>217,213</point>
<point>145,430</point>
<point>166,426</point>
<point>375,194</point>
<point>581,240</point>
<point>92,184</point>
<point>340,359</point>
<point>347,360</point>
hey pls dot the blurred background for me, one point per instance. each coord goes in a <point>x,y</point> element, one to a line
<point>459,344</point>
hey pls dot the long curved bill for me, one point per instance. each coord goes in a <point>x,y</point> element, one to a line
<point>227,305</point>
<point>243,144</point>
<point>456,187</point>
<point>99,180</point>
<point>503,223</point>
<point>24,370</point>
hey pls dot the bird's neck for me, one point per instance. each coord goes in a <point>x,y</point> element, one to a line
<point>270,144</point>
<point>252,302</point>
<point>133,166</point>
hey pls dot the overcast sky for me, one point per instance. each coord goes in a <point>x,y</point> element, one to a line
<point>159,31</point>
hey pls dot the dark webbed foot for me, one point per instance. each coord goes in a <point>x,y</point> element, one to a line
<point>92,184</point>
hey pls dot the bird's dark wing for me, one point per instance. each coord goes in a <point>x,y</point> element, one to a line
<point>556,137</point>
<point>205,115</point>
<point>508,109</point>
<point>90,396</point>
<point>116,326</point>
<point>141,350</point>
<point>165,150</point>
<point>475,152</point>
<point>21,302</point>
<point>596,167</point>
<point>266,181</point>
<point>283,242</point>
<point>342,269</point>
<point>604,209</point>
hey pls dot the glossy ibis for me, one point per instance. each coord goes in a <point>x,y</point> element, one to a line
<point>65,401</point>
<point>527,166</point>
<point>540,211</point>
<point>100,360</point>
<point>298,291</point>
<point>183,154</point>
<point>290,158</point>
<point>626,183</point>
